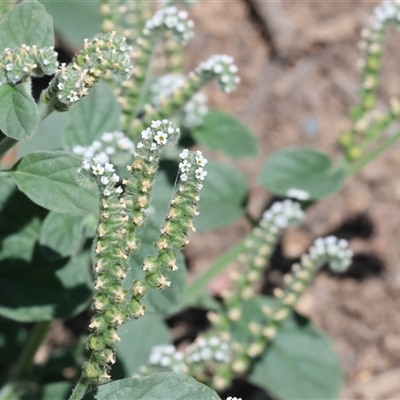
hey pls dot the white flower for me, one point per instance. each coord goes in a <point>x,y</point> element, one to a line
<point>106,192</point>
<point>109,167</point>
<point>155,124</point>
<point>297,194</point>
<point>104,180</point>
<point>200,174</point>
<point>161,137</point>
<point>60,86</point>
<point>85,165</point>
<point>184,177</point>
<point>102,158</point>
<point>79,150</point>
<point>109,150</point>
<point>153,147</point>
<point>9,67</point>
<point>119,189</point>
<point>107,137</point>
<point>97,169</point>
<point>185,166</point>
<point>139,145</point>
<point>115,178</point>
<point>184,154</point>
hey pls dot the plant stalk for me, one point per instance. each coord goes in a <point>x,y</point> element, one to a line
<point>80,389</point>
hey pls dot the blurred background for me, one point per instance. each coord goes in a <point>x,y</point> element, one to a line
<point>298,65</point>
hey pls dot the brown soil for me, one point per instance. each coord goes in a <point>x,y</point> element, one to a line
<point>297,64</point>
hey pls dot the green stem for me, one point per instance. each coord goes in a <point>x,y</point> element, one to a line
<point>367,158</point>
<point>25,361</point>
<point>194,290</point>
<point>80,389</point>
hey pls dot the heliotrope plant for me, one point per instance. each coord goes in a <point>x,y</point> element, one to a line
<point>105,218</point>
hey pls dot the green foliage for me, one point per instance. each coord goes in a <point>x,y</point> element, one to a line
<point>300,354</point>
<point>227,134</point>
<point>18,112</point>
<point>222,198</point>
<point>49,179</point>
<point>303,169</point>
<point>56,222</point>
<point>92,116</point>
<point>164,385</point>
<point>149,331</point>
<point>27,23</point>
<point>74,20</point>
<point>61,235</point>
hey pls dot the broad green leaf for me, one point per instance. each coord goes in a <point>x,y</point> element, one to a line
<point>149,331</point>
<point>18,112</point>
<point>20,222</point>
<point>301,168</point>
<point>75,20</point>
<point>170,299</point>
<point>61,235</point>
<point>49,179</point>
<point>222,132</point>
<point>49,135</point>
<point>40,290</point>
<point>300,363</point>
<point>27,23</point>
<point>92,116</point>
<point>222,197</point>
<point>163,385</point>
<point>51,391</point>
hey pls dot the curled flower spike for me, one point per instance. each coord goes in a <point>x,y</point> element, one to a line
<point>105,53</point>
<point>193,112</point>
<point>224,69</point>
<point>172,19</point>
<point>26,61</point>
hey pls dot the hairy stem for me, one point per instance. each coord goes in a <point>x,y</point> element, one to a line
<point>80,389</point>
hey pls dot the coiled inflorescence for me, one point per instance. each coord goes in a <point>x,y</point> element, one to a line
<point>221,66</point>
<point>193,112</point>
<point>26,61</point>
<point>105,53</point>
<point>175,21</point>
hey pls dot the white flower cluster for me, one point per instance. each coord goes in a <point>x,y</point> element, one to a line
<point>167,356</point>
<point>104,174</point>
<point>233,398</point>
<point>158,135</point>
<point>110,145</point>
<point>336,249</point>
<point>192,161</point>
<point>208,349</point>
<point>388,10</point>
<point>193,111</point>
<point>223,67</point>
<point>203,349</point>
<point>282,214</point>
<point>174,20</point>
<point>297,194</point>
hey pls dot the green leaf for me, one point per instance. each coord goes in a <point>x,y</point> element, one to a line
<point>18,112</point>
<point>163,385</point>
<point>27,23</point>
<point>301,168</point>
<point>170,299</point>
<point>49,135</point>
<point>75,20</point>
<point>20,222</point>
<point>300,363</point>
<point>149,331</point>
<point>92,116</point>
<point>49,179</point>
<point>227,134</point>
<point>222,197</point>
<point>39,290</point>
<point>61,235</point>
